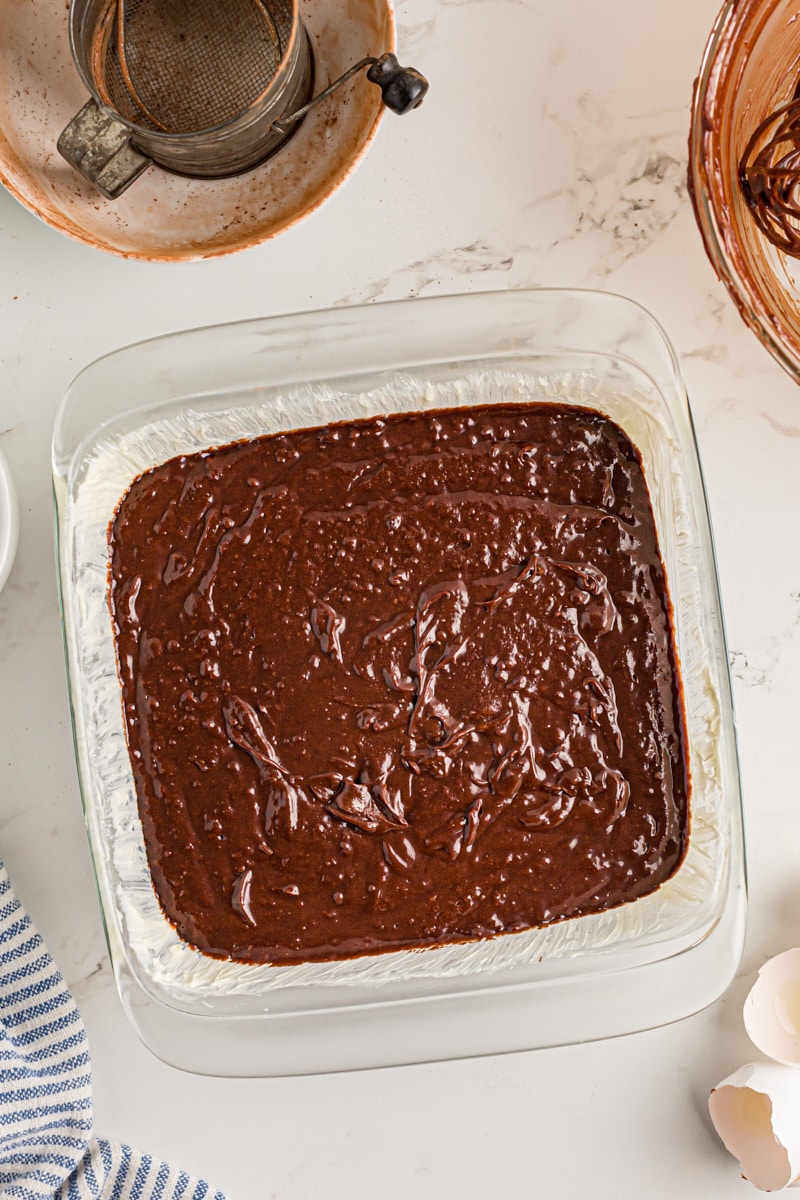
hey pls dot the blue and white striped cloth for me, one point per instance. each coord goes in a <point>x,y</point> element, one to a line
<point>47,1146</point>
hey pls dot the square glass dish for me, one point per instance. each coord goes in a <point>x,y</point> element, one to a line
<point>648,962</point>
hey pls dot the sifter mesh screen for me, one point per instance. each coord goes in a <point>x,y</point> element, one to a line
<point>185,67</point>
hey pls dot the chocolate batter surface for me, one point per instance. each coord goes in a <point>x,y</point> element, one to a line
<point>399,682</point>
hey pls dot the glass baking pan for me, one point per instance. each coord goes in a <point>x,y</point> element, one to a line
<point>648,962</point>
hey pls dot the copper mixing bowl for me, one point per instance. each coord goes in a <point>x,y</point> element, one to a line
<point>750,67</point>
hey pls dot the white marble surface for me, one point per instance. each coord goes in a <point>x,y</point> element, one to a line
<point>552,150</point>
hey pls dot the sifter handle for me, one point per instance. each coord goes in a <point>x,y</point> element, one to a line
<point>402,88</point>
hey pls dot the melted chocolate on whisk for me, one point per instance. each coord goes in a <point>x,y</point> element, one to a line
<point>769,174</point>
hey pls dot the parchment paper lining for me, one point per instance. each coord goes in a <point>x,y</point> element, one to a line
<point>115,459</point>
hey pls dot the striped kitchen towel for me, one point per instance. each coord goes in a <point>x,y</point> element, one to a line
<point>47,1144</point>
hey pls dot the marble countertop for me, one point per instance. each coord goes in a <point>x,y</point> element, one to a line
<point>551,151</point>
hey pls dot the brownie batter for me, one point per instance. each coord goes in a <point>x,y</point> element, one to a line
<point>399,682</point>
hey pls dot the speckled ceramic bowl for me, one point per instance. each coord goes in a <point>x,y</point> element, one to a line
<point>9,522</point>
<point>165,217</point>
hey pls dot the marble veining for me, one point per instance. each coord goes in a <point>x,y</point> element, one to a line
<point>423,276</point>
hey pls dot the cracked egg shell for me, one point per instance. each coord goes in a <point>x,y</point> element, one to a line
<point>756,1112</point>
<point>772,1009</point>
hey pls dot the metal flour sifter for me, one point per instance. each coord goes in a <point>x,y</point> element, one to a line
<point>206,88</point>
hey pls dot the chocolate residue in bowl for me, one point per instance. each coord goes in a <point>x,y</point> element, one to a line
<point>399,682</point>
<point>748,72</point>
